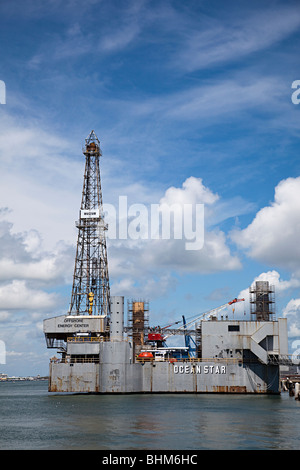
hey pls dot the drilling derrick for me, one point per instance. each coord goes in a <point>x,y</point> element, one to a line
<point>90,291</point>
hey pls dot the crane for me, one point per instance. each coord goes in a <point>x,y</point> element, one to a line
<point>235,300</point>
<point>211,312</point>
<point>188,339</point>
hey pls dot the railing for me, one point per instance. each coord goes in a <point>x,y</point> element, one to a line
<point>91,339</point>
<point>279,359</point>
<point>228,360</point>
<point>76,360</point>
<point>85,339</point>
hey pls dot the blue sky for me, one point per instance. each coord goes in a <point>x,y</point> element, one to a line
<point>192,103</point>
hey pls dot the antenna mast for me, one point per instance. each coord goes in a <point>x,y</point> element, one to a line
<point>90,291</point>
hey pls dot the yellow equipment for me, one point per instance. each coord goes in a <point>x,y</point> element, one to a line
<point>91,300</point>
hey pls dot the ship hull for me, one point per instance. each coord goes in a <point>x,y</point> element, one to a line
<point>116,375</point>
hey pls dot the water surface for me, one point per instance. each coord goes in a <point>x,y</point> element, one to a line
<point>31,418</point>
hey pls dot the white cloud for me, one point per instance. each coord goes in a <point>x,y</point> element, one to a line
<point>45,269</point>
<point>22,257</point>
<point>292,313</point>
<point>17,295</point>
<point>292,308</point>
<point>121,38</point>
<point>230,96</point>
<point>120,27</point>
<point>149,262</point>
<point>193,191</point>
<point>240,94</point>
<point>4,316</point>
<point>39,181</point>
<point>27,272</point>
<point>273,235</point>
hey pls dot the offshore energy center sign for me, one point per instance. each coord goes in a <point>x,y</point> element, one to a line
<point>71,322</point>
<point>79,323</point>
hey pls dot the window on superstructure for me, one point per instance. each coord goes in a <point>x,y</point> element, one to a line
<point>233,327</point>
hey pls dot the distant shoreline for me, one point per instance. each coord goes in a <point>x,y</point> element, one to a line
<point>23,379</point>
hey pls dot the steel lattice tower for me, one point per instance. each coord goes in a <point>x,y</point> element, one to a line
<point>90,291</point>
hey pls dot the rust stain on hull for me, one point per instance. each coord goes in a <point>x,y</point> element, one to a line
<point>231,389</point>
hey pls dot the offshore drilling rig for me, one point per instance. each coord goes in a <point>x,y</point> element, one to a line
<point>90,291</point>
<point>99,354</point>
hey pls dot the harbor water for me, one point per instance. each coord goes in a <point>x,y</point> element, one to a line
<point>33,419</point>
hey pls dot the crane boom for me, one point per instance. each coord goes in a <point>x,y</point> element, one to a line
<point>203,315</point>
